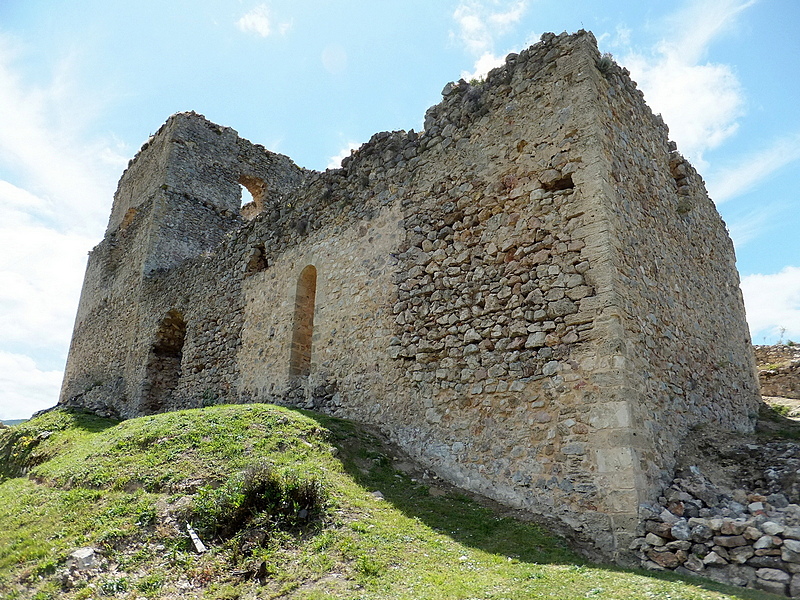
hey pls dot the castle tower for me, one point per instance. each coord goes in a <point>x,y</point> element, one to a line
<point>176,201</point>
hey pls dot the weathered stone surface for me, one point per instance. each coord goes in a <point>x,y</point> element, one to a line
<point>730,541</point>
<point>84,558</point>
<point>741,554</point>
<point>714,559</point>
<point>668,560</point>
<point>773,587</point>
<point>764,542</point>
<point>654,540</point>
<point>773,575</point>
<point>772,528</point>
<point>681,531</point>
<point>794,587</point>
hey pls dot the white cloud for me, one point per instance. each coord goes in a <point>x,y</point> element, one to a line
<point>479,23</point>
<point>55,193</point>
<point>24,388</point>
<point>750,225</point>
<point>700,101</point>
<point>256,21</point>
<point>483,65</point>
<point>73,175</point>
<point>742,177</point>
<point>41,271</point>
<point>261,22</point>
<point>336,161</point>
<point>773,304</point>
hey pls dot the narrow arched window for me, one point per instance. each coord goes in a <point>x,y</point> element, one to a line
<point>164,362</point>
<point>303,325</point>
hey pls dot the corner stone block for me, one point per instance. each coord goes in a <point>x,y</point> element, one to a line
<point>610,415</point>
<point>614,460</point>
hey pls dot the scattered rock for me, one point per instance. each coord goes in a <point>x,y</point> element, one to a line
<point>84,559</point>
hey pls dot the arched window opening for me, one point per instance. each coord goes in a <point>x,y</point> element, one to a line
<point>253,191</point>
<point>303,325</point>
<point>164,363</point>
<point>247,197</point>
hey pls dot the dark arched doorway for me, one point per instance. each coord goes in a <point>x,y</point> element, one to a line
<point>164,362</point>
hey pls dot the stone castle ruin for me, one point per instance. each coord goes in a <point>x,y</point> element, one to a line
<point>534,297</point>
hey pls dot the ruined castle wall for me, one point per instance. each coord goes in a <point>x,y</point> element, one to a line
<point>458,317</point>
<point>687,356</point>
<point>515,296</point>
<point>179,199</point>
<point>352,317</point>
<point>502,286</point>
<point>108,317</point>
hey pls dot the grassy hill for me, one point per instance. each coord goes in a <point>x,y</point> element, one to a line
<point>289,504</point>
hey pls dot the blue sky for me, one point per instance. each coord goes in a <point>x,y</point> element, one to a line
<point>84,83</point>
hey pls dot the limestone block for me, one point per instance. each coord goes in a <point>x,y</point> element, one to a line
<point>714,559</point>
<point>610,415</point>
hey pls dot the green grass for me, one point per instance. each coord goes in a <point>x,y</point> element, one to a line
<point>283,500</point>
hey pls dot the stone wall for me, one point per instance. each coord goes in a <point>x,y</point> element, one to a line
<point>779,370</point>
<point>534,297</point>
<point>686,359</point>
<point>732,512</point>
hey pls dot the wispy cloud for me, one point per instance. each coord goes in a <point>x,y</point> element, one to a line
<point>700,101</point>
<point>750,224</point>
<point>256,21</point>
<point>57,185</point>
<point>773,304</point>
<point>743,176</point>
<point>336,161</point>
<point>40,276</point>
<point>479,24</point>
<point>260,21</point>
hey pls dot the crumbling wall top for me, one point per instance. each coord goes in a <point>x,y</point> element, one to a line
<point>192,156</point>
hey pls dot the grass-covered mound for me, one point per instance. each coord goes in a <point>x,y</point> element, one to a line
<point>287,505</point>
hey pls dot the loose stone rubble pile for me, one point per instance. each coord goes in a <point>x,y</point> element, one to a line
<point>747,536</point>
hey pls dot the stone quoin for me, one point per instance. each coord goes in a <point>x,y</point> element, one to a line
<point>535,297</point>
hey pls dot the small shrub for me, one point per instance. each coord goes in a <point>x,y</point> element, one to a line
<point>782,409</point>
<point>369,567</point>
<point>684,206</point>
<point>210,398</point>
<point>151,583</point>
<point>277,498</point>
<point>605,63</point>
<point>113,586</point>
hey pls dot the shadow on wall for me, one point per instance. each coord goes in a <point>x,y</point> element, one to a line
<point>303,325</point>
<point>164,362</point>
